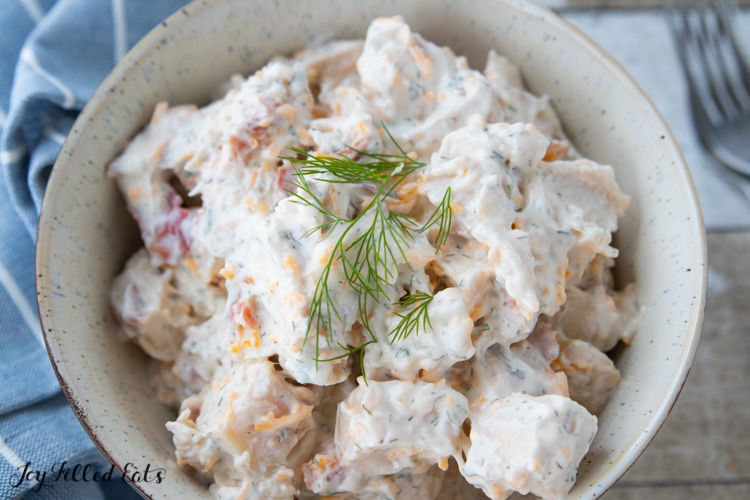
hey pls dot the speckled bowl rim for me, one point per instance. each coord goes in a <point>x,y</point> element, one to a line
<point>150,42</point>
<point>619,468</point>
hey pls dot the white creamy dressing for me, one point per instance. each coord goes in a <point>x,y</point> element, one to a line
<point>522,307</point>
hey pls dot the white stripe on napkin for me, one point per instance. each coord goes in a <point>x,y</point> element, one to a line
<point>35,12</point>
<point>11,156</point>
<point>15,294</point>
<point>53,134</point>
<point>118,18</point>
<point>14,459</point>
<point>28,56</point>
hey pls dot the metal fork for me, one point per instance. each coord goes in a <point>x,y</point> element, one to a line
<point>718,77</point>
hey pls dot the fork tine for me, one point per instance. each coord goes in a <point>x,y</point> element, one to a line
<point>687,45</point>
<point>711,51</point>
<point>725,10</point>
<point>717,77</point>
<point>677,17</point>
<point>710,56</point>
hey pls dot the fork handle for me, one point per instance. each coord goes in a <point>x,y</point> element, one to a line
<point>741,182</point>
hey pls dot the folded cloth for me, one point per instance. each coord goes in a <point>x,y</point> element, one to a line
<point>53,55</point>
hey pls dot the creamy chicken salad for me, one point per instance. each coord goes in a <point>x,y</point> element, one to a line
<point>371,271</point>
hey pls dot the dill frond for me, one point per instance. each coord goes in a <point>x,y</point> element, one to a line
<point>345,170</point>
<point>416,319</point>
<point>371,245</point>
<point>305,196</point>
<point>443,217</point>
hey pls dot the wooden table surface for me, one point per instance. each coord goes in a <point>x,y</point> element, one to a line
<point>703,449</point>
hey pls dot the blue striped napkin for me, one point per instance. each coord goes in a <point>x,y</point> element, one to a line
<point>53,55</point>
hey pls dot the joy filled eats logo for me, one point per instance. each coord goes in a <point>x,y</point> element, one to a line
<point>64,471</point>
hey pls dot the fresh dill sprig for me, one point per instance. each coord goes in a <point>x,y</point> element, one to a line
<point>372,242</point>
<point>443,217</point>
<point>305,195</point>
<point>414,320</point>
<point>346,170</point>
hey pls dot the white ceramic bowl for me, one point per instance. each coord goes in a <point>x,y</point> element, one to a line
<point>85,234</point>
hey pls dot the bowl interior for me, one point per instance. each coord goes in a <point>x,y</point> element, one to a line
<point>85,234</point>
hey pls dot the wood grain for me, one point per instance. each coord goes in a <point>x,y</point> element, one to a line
<point>703,450</point>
